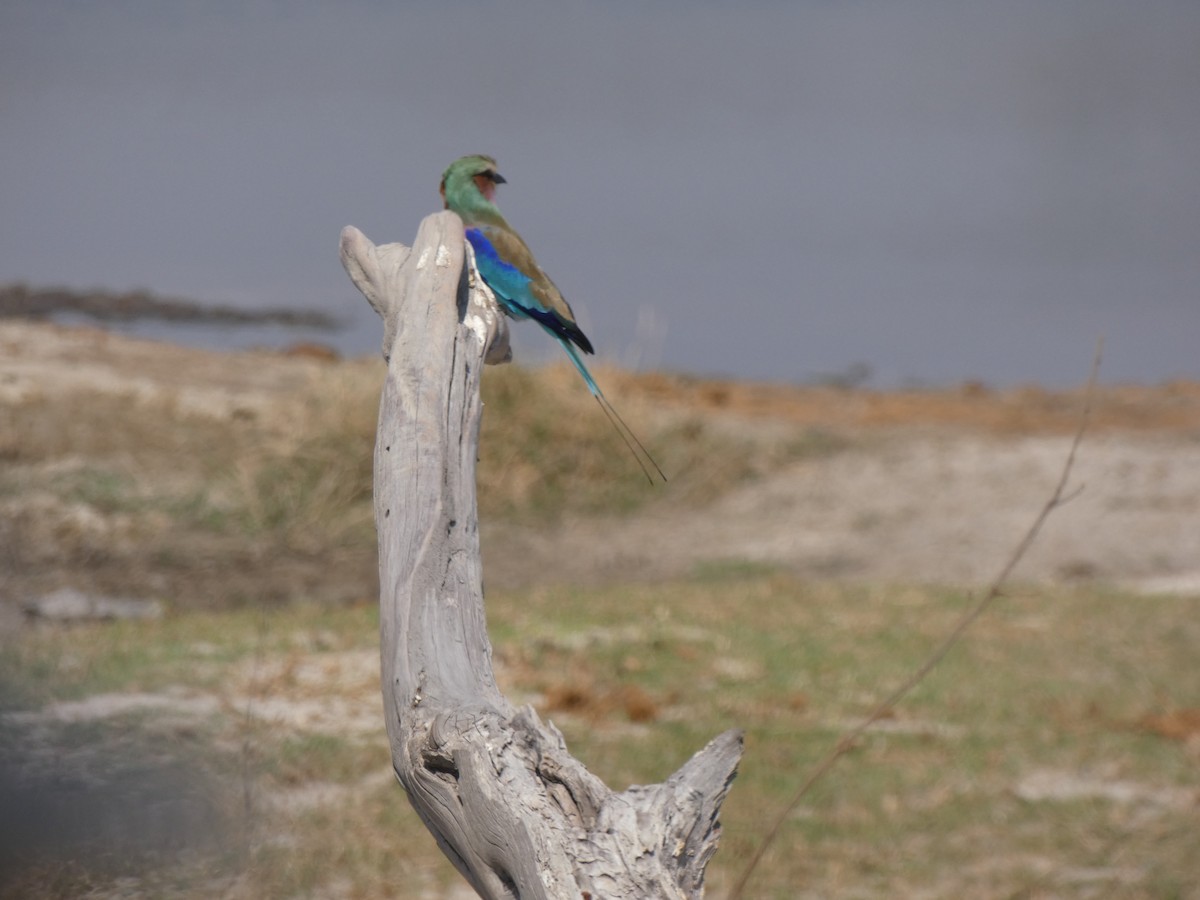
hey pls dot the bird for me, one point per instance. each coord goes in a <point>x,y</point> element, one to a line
<point>521,288</point>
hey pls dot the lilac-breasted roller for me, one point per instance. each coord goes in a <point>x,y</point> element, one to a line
<point>522,289</point>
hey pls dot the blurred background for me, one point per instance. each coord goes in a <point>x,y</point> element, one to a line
<point>905,193</point>
<point>845,264</point>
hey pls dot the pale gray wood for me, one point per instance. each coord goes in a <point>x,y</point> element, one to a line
<point>506,802</point>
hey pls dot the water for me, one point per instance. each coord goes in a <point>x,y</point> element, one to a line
<point>354,334</point>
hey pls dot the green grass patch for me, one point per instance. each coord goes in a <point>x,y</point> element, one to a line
<point>1053,690</point>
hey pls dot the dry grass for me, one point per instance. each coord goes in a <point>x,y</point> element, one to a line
<point>1173,407</point>
<point>548,449</point>
<point>241,753</point>
<point>244,501</point>
<point>1051,756</point>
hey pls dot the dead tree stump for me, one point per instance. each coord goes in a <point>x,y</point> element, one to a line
<point>512,809</point>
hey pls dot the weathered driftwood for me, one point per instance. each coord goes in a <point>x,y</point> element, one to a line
<point>506,802</point>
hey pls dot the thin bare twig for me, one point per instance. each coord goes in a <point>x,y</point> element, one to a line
<point>1059,497</point>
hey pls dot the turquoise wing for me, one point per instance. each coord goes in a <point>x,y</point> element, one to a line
<point>521,287</point>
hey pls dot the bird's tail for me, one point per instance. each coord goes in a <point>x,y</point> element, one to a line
<point>573,352</point>
<point>626,433</point>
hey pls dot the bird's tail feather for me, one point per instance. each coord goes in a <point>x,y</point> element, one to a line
<point>626,433</point>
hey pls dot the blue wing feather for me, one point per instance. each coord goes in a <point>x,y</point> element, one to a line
<point>515,289</point>
<point>508,283</point>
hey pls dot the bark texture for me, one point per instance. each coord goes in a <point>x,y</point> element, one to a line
<point>511,808</point>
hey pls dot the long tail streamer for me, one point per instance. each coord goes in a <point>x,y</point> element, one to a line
<point>627,435</point>
<point>614,417</point>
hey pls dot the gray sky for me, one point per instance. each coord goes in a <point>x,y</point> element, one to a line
<point>762,189</point>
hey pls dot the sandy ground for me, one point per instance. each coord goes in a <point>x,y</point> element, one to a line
<point>942,507</point>
<point>926,486</point>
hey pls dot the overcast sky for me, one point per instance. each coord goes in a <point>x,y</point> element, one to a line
<point>772,190</point>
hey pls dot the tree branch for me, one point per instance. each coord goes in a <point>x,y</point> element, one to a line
<point>508,805</point>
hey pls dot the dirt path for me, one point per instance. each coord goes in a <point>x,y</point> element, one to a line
<point>944,507</point>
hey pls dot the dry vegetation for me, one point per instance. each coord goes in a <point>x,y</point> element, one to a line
<point>234,747</point>
<point>1054,755</point>
<point>216,480</point>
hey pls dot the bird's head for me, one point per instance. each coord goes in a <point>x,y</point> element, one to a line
<point>469,185</point>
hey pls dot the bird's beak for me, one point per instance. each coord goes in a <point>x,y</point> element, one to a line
<point>497,178</point>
